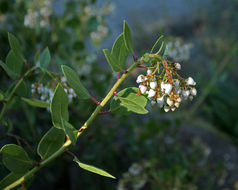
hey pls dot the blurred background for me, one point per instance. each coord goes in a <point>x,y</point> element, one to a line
<point>193,148</point>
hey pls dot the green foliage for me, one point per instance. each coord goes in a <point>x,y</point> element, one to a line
<point>50,142</point>
<point>1,96</point>
<point>128,101</point>
<point>74,82</point>
<point>45,58</point>
<point>93,169</point>
<point>14,63</point>
<point>36,103</point>
<point>9,179</point>
<point>165,55</point>
<point>112,61</point>
<point>119,51</point>
<point>70,131</point>
<point>59,106</point>
<point>15,158</point>
<point>9,72</point>
<point>127,37</point>
<point>157,44</point>
<point>15,46</point>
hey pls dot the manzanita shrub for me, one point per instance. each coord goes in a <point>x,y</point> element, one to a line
<point>161,85</point>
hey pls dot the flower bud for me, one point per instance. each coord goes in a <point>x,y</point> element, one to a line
<point>153,102</point>
<point>63,79</point>
<point>149,72</point>
<point>166,108</point>
<point>177,66</point>
<point>193,92</point>
<point>173,108</point>
<point>160,101</point>
<point>190,81</point>
<point>71,91</point>
<point>140,79</point>
<point>169,102</point>
<point>151,93</point>
<point>176,104</point>
<point>179,99</point>
<point>185,93</point>
<point>176,82</point>
<point>190,97</point>
<point>166,88</point>
<point>142,88</point>
<point>153,84</point>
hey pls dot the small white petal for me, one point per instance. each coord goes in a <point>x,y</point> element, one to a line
<point>166,108</point>
<point>177,66</point>
<point>169,102</point>
<point>179,99</point>
<point>66,91</point>
<point>176,104</point>
<point>140,79</point>
<point>71,91</point>
<point>166,88</point>
<point>173,108</point>
<point>149,72</point>
<point>160,101</point>
<point>176,82</point>
<point>153,84</point>
<point>63,79</point>
<point>151,93</point>
<point>153,102</point>
<point>191,98</point>
<point>190,81</point>
<point>193,92</point>
<point>186,93</point>
<point>142,89</point>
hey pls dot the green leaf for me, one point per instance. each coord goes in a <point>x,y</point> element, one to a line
<point>119,51</point>
<point>156,44</point>
<point>36,103</point>
<point>15,158</point>
<point>15,46</point>
<point>50,142</point>
<point>165,55</point>
<point>127,37</point>
<point>45,58</point>
<point>112,61</point>
<point>9,72</point>
<point>128,102</point>
<point>9,179</point>
<point>74,82</point>
<point>93,169</point>
<point>14,63</point>
<point>59,106</point>
<point>70,131</point>
<point>22,89</point>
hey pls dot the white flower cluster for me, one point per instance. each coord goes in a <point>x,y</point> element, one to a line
<point>179,51</point>
<point>167,93</point>
<point>39,16</point>
<point>46,93</point>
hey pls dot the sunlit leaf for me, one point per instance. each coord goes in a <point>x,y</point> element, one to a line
<point>70,131</point>
<point>112,61</point>
<point>127,37</point>
<point>93,169</point>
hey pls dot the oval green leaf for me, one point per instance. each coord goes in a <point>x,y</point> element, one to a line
<point>127,37</point>
<point>50,142</point>
<point>127,102</point>
<point>93,169</point>
<point>119,51</point>
<point>36,103</point>
<point>14,63</point>
<point>15,158</point>
<point>9,72</point>
<point>70,131</point>
<point>74,82</point>
<point>112,61</point>
<point>1,96</point>
<point>15,46</point>
<point>59,106</point>
<point>45,58</point>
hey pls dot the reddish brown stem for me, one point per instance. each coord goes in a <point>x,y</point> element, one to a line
<point>118,75</point>
<point>70,153</point>
<point>95,101</point>
<point>105,112</point>
<point>134,58</point>
<point>143,67</point>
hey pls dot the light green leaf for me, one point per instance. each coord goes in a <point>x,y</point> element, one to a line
<point>93,169</point>
<point>45,58</point>
<point>15,158</point>
<point>15,46</point>
<point>36,103</point>
<point>70,131</point>
<point>74,82</point>
<point>59,106</point>
<point>127,37</point>
<point>156,44</point>
<point>14,63</point>
<point>119,51</point>
<point>112,61</point>
<point>50,142</point>
<point>128,102</point>
<point>9,72</point>
<point>9,179</point>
